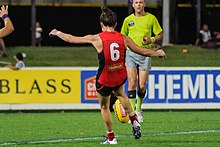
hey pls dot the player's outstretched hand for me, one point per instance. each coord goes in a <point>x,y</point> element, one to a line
<point>160,50</point>
<point>4,10</point>
<point>162,53</point>
<point>53,33</point>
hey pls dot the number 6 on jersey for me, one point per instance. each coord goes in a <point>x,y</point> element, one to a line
<point>115,54</point>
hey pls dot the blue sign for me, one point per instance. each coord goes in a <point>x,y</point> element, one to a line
<point>183,86</point>
<point>167,86</point>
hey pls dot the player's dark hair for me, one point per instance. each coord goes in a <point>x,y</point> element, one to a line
<point>108,17</point>
<point>19,56</point>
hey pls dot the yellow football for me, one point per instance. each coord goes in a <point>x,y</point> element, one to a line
<point>120,112</point>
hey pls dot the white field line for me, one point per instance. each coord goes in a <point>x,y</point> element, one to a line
<point>183,132</point>
<point>58,140</point>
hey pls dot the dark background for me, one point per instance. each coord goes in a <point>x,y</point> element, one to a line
<point>85,20</point>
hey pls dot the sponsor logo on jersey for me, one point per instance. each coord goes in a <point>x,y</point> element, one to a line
<point>131,23</point>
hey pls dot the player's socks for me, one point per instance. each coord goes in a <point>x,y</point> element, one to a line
<point>132,98</point>
<point>139,103</point>
<point>140,99</point>
<point>133,117</point>
<point>110,135</point>
<point>133,102</point>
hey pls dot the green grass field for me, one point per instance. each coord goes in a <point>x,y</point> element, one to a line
<point>180,128</point>
<point>87,56</point>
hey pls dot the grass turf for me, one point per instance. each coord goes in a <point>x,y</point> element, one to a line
<point>86,129</point>
<point>86,56</point>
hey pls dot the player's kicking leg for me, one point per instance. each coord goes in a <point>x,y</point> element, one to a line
<point>136,127</point>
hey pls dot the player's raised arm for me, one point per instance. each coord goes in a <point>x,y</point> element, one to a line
<point>9,28</point>
<point>70,38</point>
<point>93,39</point>
<point>143,51</point>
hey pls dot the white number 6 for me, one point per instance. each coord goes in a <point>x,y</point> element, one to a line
<point>115,54</point>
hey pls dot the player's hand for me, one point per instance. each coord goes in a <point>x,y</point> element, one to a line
<point>4,10</point>
<point>53,33</point>
<point>146,40</point>
<point>161,53</point>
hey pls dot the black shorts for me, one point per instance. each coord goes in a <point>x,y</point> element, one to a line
<point>106,91</point>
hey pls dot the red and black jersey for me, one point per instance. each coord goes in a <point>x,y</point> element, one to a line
<point>112,70</point>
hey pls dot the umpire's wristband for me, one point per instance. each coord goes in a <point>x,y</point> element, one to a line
<point>4,16</point>
<point>153,39</point>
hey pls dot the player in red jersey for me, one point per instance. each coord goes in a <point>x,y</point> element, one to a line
<point>111,47</point>
<point>112,70</point>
